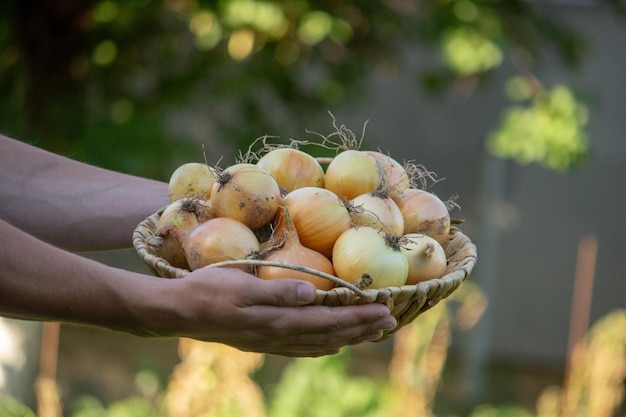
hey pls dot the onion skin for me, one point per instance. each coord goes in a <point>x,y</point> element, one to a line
<point>424,213</point>
<point>292,168</point>
<point>182,214</point>
<point>398,177</point>
<point>246,193</point>
<point>216,240</point>
<point>352,173</point>
<point>363,250</point>
<point>319,216</point>
<point>191,179</point>
<point>377,210</point>
<point>427,258</point>
<point>289,250</point>
<point>181,211</point>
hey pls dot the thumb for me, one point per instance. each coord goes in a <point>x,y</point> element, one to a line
<point>284,292</point>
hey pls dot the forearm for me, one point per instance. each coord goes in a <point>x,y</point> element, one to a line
<point>41,282</point>
<point>70,204</point>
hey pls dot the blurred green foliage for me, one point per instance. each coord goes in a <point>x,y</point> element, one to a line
<point>324,387</point>
<point>549,131</point>
<point>489,410</point>
<point>140,85</point>
<point>10,407</point>
<point>129,407</point>
<point>143,404</point>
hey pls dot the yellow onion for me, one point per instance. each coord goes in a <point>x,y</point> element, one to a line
<point>216,240</point>
<point>423,213</point>
<point>191,179</point>
<point>398,177</point>
<point>377,210</point>
<point>319,216</point>
<point>352,173</point>
<point>363,251</point>
<point>285,247</point>
<point>292,168</point>
<point>182,214</point>
<point>427,258</point>
<point>246,193</point>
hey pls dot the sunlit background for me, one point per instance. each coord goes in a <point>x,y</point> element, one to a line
<point>517,106</point>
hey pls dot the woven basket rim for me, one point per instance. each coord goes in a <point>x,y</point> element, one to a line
<point>149,253</point>
<point>406,302</point>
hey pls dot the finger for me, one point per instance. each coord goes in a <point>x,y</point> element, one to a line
<point>294,334</point>
<point>314,345</point>
<point>334,320</point>
<point>281,292</point>
<point>303,329</point>
<point>351,335</point>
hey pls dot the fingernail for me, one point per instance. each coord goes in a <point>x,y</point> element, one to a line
<point>389,323</point>
<point>373,336</point>
<point>306,293</point>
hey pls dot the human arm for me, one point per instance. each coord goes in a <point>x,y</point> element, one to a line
<point>70,204</point>
<point>41,281</point>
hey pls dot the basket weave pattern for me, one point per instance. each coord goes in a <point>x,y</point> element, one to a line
<point>406,302</point>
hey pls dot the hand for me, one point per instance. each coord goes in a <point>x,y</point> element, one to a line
<point>229,306</point>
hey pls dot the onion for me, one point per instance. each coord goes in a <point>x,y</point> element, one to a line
<point>352,173</point>
<point>377,210</point>
<point>427,258</point>
<point>185,213</point>
<point>216,240</point>
<point>176,212</point>
<point>191,179</point>
<point>363,251</point>
<point>246,193</point>
<point>423,213</point>
<point>286,248</point>
<point>319,216</point>
<point>182,214</point>
<point>292,168</point>
<point>398,177</point>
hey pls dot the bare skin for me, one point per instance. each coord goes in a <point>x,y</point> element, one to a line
<point>52,207</point>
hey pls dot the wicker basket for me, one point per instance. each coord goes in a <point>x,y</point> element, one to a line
<point>406,302</point>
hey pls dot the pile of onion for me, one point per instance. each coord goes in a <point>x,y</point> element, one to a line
<point>361,219</point>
